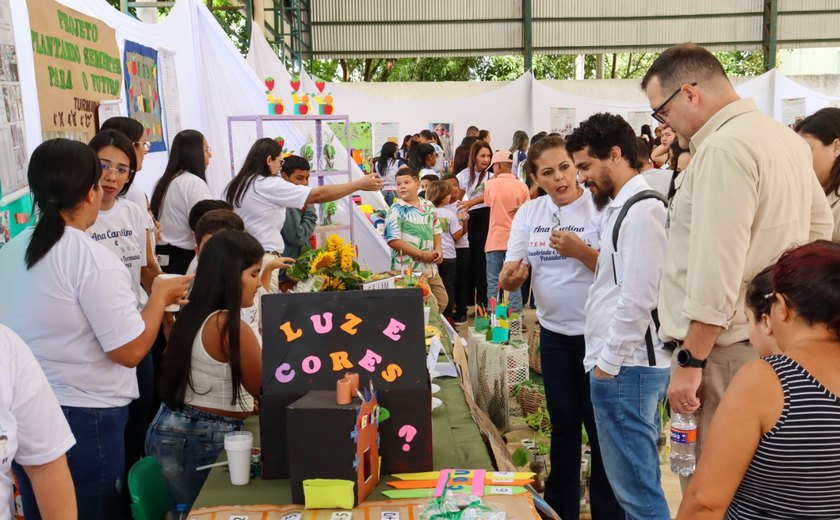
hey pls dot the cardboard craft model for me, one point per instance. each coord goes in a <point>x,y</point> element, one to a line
<point>333,441</point>
<point>311,339</point>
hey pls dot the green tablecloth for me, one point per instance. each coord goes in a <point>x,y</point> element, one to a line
<point>457,443</point>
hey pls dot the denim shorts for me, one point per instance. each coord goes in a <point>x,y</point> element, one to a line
<point>183,440</point>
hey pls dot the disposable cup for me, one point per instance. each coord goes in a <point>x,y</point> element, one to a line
<point>174,307</point>
<point>426,313</point>
<point>238,448</point>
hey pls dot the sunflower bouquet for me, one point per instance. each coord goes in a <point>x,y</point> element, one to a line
<point>329,268</point>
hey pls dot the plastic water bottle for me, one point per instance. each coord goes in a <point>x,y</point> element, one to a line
<point>683,443</point>
<point>182,511</point>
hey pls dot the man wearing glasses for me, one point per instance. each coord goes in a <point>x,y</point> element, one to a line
<point>749,194</point>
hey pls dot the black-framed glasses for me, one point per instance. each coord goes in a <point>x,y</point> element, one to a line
<point>655,113</point>
<point>120,170</point>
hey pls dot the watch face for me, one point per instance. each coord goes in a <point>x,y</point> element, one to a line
<point>683,357</point>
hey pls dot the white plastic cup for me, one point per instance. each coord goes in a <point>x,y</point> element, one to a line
<point>173,307</point>
<point>238,448</point>
<point>426,313</point>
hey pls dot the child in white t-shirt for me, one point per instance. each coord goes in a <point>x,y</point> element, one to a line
<point>462,252</point>
<point>220,219</point>
<point>439,193</point>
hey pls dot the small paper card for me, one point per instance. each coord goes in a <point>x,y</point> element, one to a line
<point>434,352</point>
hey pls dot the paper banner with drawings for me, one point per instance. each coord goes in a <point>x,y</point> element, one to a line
<point>384,132</point>
<point>77,64</point>
<point>12,142</point>
<point>142,93</point>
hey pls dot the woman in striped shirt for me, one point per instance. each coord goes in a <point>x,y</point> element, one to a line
<point>773,450</point>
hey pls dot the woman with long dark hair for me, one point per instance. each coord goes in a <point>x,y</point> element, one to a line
<point>821,130</point>
<point>386,167</point>
<point>134,130</point>
<point>182,184</point>
<point>472,180</point>
<point>261,197</point>
<point>70,299</point>
<point>518,151</point>
<point>772,450</point>
<point>212,368</point>
<point>408,140</point>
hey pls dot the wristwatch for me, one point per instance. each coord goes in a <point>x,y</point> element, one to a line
<point>686,360</point>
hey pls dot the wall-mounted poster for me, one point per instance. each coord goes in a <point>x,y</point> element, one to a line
<point>383,133</point>
<point>562,120</point>
<point>639,118</point>
<point>142,93</point>
<point>5,228</point>
<point>169,86</point>
<point>793,111</point>
<point>77,64</point>
<point>361,142</point>
<point>444,131</point>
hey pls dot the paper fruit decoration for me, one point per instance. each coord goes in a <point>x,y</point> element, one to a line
<point>280,140</point>
<point>320,85</point>
<point>269,83</point>
<point>295,83</point>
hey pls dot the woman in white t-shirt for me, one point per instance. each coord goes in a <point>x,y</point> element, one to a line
<point>212,368</point>
<point>33,432</point>
<point>182,184</point>
<point>472,180</point>
<point>557,236</point>
<point>387,167</point>
<point>70,300</point>
<point>261,197</point>
<point>135,131</point>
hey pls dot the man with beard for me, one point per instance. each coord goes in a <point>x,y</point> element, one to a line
<point>749,194</point>
<point>627,364</point>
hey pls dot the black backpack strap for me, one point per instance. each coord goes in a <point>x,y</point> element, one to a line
<point>642,195</point>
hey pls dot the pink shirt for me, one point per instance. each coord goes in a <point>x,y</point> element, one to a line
<point>503,194</point>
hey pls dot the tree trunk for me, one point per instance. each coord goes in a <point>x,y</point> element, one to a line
<point>345,72</point>
<point>612,69</point>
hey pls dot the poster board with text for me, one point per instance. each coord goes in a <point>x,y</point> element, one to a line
<point>142,92</point>
<point>311,340</point>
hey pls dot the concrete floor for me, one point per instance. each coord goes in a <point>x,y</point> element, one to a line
<point>670,481</point>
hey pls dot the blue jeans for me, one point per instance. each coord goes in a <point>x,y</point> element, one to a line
<point>495,261</point>
<point>184,440</point>
<point>628,427</point>
<point>567,401</point>
<point>96,463</point>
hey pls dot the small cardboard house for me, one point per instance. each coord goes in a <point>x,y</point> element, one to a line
<point>337,445</point>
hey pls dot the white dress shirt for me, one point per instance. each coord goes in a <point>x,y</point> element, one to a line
<point>626,285</point>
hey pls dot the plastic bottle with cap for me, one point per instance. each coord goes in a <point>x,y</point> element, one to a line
<point>683,443</point>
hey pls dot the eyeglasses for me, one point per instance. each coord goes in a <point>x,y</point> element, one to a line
<point>119,170</point>
<point>147,145</point>
<point>657,110</point>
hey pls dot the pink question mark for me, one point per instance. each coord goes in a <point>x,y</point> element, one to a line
<point>408,432</point>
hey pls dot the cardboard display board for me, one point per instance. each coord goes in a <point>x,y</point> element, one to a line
<point>13,156</point>
<point>142,92</point>
<point>77,64</point>
<point>311,340</point>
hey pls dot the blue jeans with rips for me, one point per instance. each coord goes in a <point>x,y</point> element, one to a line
<point>96,463</point>
<point>183,440</point>
<point>628,424</point>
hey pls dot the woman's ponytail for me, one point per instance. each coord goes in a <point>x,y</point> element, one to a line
<point>61,174</point>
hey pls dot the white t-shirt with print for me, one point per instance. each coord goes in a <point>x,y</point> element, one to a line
<point>136,195</point>
<point>71,308</point>
<point>560,284</point>
<point>429,171</point>
<point>476,188</point>
<point>464,241</point>
<point>450,225</point>
<point>184,192</point>
<point>263,208</point>
<point>33,430</point>
<point>122,230</point>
